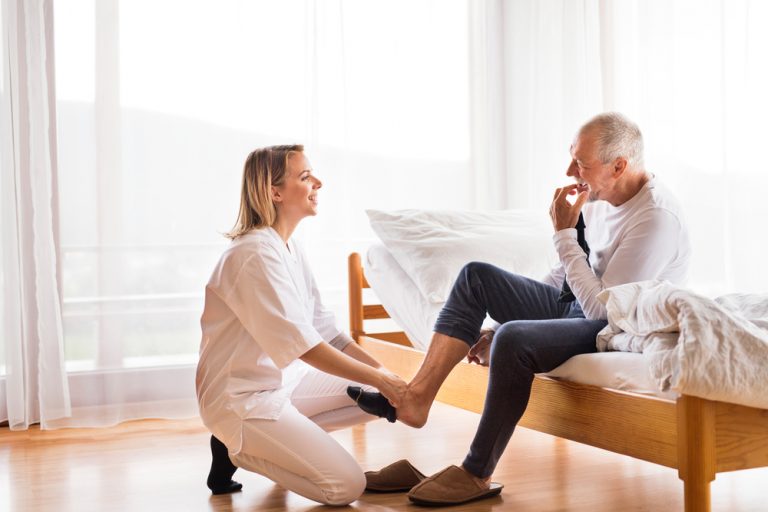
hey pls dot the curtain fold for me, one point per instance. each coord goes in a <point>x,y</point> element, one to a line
<point>152,136</point>
<point>536,75</point>
<point>36,387</point>
<point>488,122</point>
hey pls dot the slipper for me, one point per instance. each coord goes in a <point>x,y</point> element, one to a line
<point>451,486</point>
<point>397,477</point>
<point>372,403</point>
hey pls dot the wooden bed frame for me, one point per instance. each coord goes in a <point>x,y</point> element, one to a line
<point>698,437</point>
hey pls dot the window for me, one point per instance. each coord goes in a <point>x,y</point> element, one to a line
<point>160,102</point>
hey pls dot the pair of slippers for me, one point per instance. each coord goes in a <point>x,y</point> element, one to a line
<point>451,486</point>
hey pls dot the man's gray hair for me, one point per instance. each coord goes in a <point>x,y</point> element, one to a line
<point>616,137</point>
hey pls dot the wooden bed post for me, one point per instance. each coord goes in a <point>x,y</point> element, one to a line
<point>355,297</point>
<point>696,450</point>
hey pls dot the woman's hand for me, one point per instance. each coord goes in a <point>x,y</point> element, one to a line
<point>392,387</point>
<point>480,353</point>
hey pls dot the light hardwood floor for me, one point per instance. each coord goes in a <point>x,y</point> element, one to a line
<point>161,466</point>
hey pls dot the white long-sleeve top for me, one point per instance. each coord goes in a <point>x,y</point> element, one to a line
<point>262,312</point>
<point>644,238</point>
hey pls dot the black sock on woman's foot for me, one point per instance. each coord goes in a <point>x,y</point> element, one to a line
<point>220,476</point>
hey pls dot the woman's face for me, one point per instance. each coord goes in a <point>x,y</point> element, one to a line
<point>296,198</point>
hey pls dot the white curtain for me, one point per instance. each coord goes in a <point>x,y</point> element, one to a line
<point>692,74</point>
<point>536,77</point>
<point>152,134</point>
<point>34,387</point>
<point>421,104</point>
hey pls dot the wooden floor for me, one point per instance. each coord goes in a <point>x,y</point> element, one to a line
<point>161,466</point>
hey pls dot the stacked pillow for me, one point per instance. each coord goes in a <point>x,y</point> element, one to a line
<point>431,246</point>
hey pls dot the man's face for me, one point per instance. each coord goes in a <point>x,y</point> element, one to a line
<point>587,169</point>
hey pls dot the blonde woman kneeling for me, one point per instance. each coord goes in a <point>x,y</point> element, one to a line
<point>274,368</point>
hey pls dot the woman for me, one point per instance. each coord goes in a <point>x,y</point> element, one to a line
<point>274,368</point>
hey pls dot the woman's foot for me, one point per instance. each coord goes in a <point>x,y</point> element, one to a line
<point>220,476</point>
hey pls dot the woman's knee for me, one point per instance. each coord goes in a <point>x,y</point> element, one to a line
<point>350,486</point>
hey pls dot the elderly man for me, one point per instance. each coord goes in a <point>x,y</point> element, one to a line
<point>622,227</point>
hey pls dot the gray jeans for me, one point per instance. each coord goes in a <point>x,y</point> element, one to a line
<point>537,335</point>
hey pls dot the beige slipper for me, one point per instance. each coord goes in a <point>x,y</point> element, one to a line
<point>397,477</point>
<point>451,486</point>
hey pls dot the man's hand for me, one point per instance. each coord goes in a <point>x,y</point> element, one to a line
<point>564,214</point>
<point>480,353</point>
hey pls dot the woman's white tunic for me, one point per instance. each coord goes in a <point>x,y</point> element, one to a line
<point>262,312</point>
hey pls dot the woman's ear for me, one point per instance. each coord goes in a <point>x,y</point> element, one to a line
<point>275,193</point>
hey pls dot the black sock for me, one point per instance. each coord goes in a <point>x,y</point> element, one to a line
<point>220,477</point>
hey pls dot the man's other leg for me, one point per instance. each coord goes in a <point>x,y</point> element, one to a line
<point>479,289</point>
<point>521,349</point>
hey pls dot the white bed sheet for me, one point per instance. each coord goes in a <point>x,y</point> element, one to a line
<point>399,295</point>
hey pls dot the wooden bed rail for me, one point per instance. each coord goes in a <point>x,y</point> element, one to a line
<point>359,312</point>
<point>356,284</point>
<point>698,437</point>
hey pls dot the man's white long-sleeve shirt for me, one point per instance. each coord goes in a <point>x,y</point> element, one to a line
<point>644,238</point>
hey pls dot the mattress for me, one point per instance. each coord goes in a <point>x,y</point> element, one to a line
<point>624,371</point>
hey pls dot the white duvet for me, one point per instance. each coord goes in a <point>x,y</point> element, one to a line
<point>715,349</point>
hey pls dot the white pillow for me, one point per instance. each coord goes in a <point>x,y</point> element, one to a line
<point>433,245</point>
<point>400,296</point>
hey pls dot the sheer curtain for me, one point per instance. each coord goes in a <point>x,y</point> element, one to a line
<point>692,74</point>
<point>451,104</point>
<point>152,134</point>
<point>536,77</point>
<point>34,387</point>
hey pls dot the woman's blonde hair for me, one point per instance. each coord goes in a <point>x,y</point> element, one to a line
<point>264,168</point>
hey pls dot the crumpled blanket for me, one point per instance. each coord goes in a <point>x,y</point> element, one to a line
<point>715,349</point>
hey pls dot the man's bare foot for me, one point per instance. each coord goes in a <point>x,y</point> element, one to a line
<point>413,410</point>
